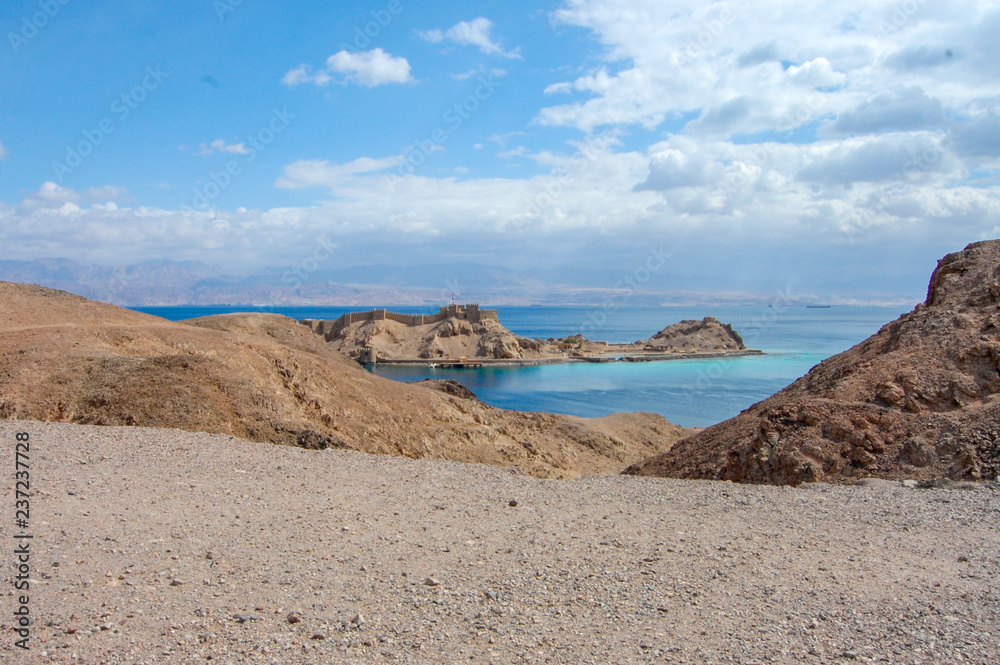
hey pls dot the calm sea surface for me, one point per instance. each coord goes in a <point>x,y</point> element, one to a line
<point>693,393</point>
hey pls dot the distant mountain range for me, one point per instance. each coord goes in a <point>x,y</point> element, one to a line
<point>165,283</point>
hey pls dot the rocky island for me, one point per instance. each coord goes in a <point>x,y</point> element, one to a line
<point>462,335</point>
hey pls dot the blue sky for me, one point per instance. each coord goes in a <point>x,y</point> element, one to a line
<point>838,149</point>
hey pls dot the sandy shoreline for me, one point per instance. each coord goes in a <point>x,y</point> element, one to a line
<point>175,547</point>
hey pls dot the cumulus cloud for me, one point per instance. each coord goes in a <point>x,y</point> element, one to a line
<point>817,73</point>
<point>830,183</point>
<point>759,54</point>
<point>886,158</point>
<point>707,198</point>
<point>368,68</point>
<point>471,33</point>
<point>221,146</point>
<point>979,137</point>
<point>899,108</point>
<point>682,164</point>
<point>51,196</point>
<point>728,117</point>
<point>920,56</point>
<point>830,124</point>
<point>664,60</point>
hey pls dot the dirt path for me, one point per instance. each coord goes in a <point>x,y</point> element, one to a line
<point>159,546</point>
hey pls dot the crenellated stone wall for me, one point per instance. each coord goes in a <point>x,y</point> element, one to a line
<point>469,312</point>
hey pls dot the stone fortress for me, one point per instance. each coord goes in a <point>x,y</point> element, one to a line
<point>469,312</point>
<point>460,333</point>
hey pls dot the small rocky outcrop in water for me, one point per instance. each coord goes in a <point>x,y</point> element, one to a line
<point>707,334</point>
<point>919,399</point>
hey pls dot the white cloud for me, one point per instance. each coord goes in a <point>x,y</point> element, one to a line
<point>979,137</point>
<point>826,125</point>
<point>494,72</point>
<point>665,60</point>
<point>311,173</point>
<point>891,158</point>
<point>368,68</point>
<point>433,36</point>
<point>681,165</point>
<point>898,108</point>
<point>471,33</point>
<point>890,132</point>
<point>304,74</point>
<point>221,146</point>
<point>51,196</point>
<point>3,152</point>
<point>709,197</point>
<point>817,73</point>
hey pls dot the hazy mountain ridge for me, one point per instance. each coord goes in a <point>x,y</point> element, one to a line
<point>166,282</point>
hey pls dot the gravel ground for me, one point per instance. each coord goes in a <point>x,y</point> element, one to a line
<point>161,546</point>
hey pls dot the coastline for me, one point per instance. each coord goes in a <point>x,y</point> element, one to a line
<point>528,362</point>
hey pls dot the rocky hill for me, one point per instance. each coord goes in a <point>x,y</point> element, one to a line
<point>451,338</point>
<point>705,335</point>
<point>268,378</point>
<point>486,338</point>
<point>919,399</point>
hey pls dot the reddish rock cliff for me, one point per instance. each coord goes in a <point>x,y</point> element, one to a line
<point>916,400</point>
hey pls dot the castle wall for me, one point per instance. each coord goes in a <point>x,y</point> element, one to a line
<point>471,312</point>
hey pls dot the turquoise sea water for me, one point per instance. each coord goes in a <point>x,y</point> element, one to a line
<point>693,393</point>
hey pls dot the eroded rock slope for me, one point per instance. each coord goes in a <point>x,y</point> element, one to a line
<point>916,400</point>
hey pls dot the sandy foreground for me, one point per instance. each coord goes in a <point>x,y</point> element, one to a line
<point>161,546</point>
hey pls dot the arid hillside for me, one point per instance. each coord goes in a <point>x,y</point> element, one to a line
<point>268,378</point>
<point>451,338</point>
<point>919,399</point>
